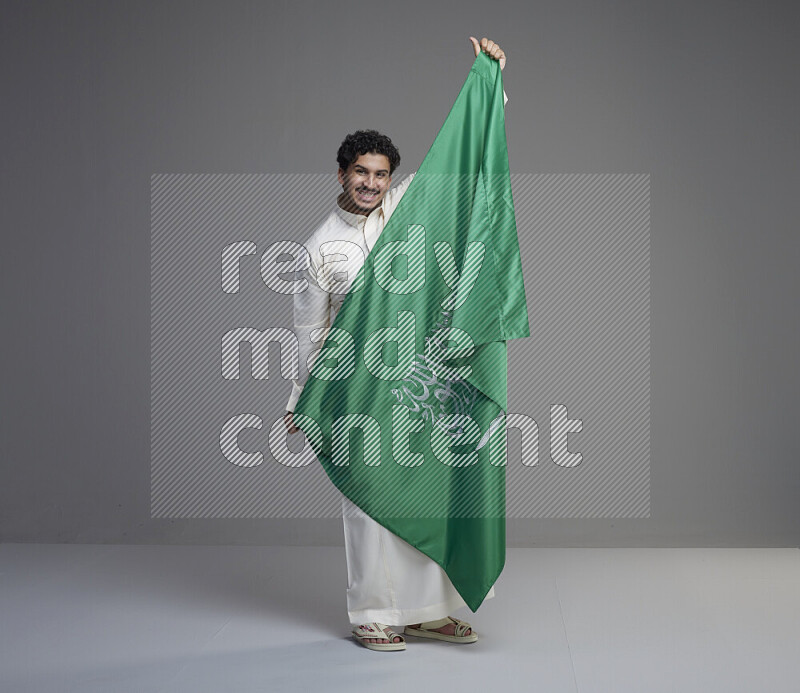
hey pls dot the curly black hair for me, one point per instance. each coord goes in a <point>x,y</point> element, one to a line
<point>367,142</point>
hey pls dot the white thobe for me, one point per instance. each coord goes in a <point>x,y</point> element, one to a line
<point>388,580</point>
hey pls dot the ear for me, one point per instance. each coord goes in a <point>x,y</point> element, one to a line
<point>340,176</point>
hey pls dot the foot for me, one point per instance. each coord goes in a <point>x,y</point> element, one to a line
<point>396,637</point>
<point>447,629</point>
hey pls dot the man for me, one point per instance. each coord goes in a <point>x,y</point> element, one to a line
<point>389,581</point>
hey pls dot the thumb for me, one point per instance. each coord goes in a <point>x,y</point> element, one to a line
<point>475,45</point>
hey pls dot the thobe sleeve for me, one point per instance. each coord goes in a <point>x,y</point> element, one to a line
<point>396,193</point>
<point>311,312</point>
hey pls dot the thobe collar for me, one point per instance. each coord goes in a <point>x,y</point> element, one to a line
<point>357,220</point>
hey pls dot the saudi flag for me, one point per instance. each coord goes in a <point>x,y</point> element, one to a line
<point>405,404</point>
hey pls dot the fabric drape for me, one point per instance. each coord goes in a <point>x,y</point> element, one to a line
<point>405,404</point>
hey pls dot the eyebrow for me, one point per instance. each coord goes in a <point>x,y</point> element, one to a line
<point>364,168</point>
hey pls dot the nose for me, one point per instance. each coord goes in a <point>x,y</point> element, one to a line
<point>372,181</point>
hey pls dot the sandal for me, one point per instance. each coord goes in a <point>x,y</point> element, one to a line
<point>365,631</point>
<point>425,630</point>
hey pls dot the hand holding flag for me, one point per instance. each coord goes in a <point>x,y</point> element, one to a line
<point>491,49</point>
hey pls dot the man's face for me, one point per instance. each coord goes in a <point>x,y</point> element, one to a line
<point>365,183</point>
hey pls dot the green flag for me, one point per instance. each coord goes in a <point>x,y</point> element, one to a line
<point>405,404</point>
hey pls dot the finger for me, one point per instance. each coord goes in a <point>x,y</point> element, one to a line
<point>484,41</point>
<point>475,45</point>
<point>490,46</point>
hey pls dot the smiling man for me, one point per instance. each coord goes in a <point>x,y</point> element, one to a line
<point>366,180</point>
<point>389,581</point>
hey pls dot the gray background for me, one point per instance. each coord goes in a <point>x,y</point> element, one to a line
<point>99,96</point>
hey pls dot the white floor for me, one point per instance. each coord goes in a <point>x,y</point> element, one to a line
<point>201,618</point>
